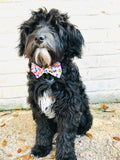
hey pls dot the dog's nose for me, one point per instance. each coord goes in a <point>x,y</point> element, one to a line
<point>40,39</point>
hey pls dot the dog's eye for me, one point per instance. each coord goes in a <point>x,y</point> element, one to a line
<point>52,30</point>
<point>53,33</point>
<point>51,27</point>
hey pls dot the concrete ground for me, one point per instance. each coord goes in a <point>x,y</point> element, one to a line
<point>17,135</point>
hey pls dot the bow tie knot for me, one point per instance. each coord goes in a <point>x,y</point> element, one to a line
<point>54,70</point>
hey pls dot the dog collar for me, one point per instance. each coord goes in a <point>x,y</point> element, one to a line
<point>55,70</point>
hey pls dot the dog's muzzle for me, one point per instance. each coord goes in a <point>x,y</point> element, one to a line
<point>41,55</point>
<point>37,50</point>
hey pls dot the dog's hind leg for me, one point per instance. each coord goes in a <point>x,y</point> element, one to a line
<point>45,131</point>
<point>85,123</point>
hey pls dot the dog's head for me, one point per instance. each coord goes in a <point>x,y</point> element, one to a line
<point>48,37</point>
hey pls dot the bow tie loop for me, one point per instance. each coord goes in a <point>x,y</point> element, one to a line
<point>55,70</point>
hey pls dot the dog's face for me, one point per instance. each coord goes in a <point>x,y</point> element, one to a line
<point>48,37</point>
<point>43,45</point>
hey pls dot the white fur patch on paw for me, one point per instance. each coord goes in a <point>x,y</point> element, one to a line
<point>46,103</point>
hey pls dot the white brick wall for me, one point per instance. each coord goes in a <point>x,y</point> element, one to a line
<point>99,22</point>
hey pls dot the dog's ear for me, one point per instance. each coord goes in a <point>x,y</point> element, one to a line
<point>75,41</point>
<point>22,41</point>
<point>25,29</point>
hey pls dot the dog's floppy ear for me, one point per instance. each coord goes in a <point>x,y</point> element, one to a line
<point>25,29</point>
<point>75,40</point>
<point>22,40</point>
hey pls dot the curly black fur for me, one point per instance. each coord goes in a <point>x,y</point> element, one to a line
<point>72,114</point>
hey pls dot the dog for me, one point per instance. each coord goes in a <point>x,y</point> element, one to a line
<point>56,92</point>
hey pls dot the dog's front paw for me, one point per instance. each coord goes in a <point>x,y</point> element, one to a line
<point>69,157</point>
<point>41,151</point>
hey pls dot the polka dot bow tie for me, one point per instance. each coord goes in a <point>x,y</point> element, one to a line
<point>54,70</point>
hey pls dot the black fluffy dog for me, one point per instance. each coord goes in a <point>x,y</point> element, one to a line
<point>56,93</point>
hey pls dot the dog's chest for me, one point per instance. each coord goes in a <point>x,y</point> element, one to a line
<point>46,103</point>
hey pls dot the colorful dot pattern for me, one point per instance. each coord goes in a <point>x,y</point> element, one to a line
<point>55,70</point>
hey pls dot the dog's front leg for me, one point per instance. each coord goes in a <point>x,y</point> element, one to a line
<point>65,140</point>
<point>44,134</point>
